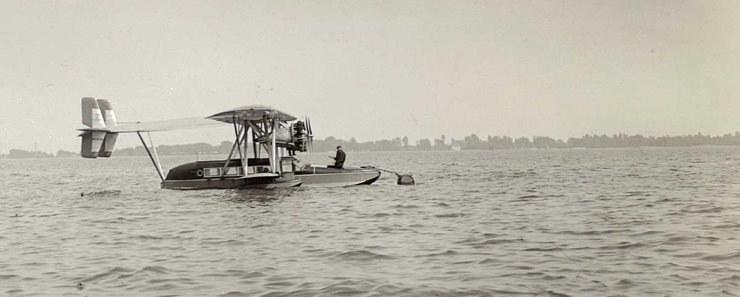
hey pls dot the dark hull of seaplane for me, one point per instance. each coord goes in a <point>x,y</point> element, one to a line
<point>231,183</point>
<point>315,176</point>
<point>191,176</point>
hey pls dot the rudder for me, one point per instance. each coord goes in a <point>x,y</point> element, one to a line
<point>91,115</point>
<point>109,117</point>
<point>106,150</point>
<point>92,142</point>
<point>98,116</point>
<point>106,110</point>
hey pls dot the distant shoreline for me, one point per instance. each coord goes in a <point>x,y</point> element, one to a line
<point>471,142</point>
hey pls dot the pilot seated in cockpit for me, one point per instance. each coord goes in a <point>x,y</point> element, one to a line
<point>338,159</point>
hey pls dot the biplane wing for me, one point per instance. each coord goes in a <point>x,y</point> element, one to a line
<point>251,113</point>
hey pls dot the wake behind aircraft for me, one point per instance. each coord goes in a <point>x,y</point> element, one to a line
<point>276,137</point>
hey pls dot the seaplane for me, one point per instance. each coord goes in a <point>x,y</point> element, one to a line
<point>275,138</point>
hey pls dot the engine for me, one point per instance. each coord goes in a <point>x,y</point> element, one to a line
<point>300,136</point>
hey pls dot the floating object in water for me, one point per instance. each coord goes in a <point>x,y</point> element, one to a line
<point>80,287</point>
<point>403,179</point>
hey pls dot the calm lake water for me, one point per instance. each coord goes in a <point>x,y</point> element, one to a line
<point>610,222</point>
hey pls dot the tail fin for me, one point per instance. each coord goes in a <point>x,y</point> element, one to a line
<point>98,116</point>
<point>106,108</point>
<point>92,142</point>
<point>91,115</point>
<point>106,150</point>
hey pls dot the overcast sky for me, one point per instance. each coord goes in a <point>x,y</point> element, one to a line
<point>373,69</point>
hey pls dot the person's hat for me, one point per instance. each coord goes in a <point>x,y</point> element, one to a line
<point>339,146</point>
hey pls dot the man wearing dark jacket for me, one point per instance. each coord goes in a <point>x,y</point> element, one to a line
<point>339,159</point>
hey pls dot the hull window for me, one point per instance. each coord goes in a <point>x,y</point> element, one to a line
<point>216,172</point>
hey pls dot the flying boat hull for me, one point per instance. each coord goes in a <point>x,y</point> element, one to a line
<point>230,183</point>
<point>203,175</point>
<point>210,175</point>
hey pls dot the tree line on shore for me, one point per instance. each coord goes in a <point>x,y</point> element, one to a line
<point>471,142</point>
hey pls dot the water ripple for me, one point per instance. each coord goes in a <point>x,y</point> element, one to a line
<point>629,222</point>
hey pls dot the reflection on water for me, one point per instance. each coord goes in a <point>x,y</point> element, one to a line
<point>488,223</point>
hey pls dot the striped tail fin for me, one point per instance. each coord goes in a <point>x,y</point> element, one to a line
<point>92,141</point>
<point>109,117</point>
<point>98,116</point>
<point>91,114</point>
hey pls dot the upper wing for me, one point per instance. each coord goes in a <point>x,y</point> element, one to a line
<point>251,113</point>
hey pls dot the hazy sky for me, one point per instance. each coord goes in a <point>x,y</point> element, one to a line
<point>373,69</point>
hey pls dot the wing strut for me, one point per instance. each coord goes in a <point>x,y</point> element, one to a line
<point>237,144</point>
<point>238,138</point>
<point>155,163</point>
<point>245,142</point>
<point>273,147</point>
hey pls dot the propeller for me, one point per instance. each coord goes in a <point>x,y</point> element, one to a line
<point>310,132</point>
